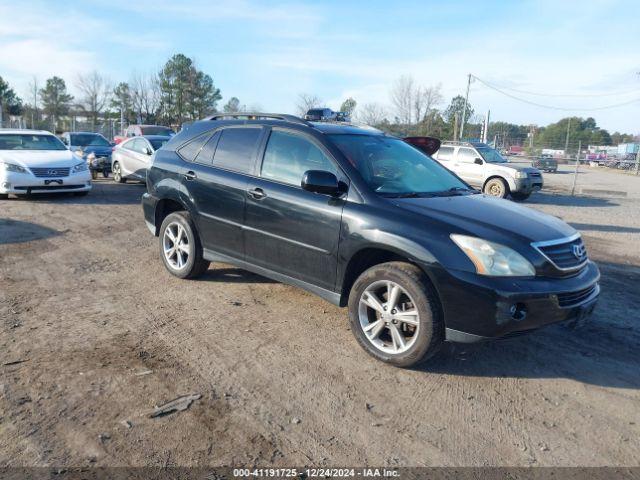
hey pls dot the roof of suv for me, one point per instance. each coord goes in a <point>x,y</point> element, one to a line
<point>23,131</point>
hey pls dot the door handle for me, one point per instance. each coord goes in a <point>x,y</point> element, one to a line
<point>257,193</point>
<point>190,175</point>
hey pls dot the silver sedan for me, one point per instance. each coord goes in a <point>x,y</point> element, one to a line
<point>131,158</point>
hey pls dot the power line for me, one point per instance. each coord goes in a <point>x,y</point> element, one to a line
<point>572,95</point>
<point>553,107</point>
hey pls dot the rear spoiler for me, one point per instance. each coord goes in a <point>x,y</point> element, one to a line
<point>428,145</point>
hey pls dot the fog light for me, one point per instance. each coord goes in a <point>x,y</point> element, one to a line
<point>518,311</point>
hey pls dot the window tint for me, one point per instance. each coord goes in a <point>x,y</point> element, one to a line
<point>206,153</point>
<point>445,153</point>
<point>129,145</point>
<point>138,145</point>
<point>288,156</point>
<point>236,149</point>
<point>467,155</point>
<point>190,151</point>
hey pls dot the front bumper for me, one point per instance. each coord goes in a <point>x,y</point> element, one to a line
<point>528,185</point>
<point>477,307</point>
<point>27,183</point>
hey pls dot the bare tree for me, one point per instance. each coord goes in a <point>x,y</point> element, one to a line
<point>145,95</point>
<point>425,102</point>
<point>95,90</point>
<point>403,99</point>
<point>307,102</point>
<point>371,114</point>
<point>33,99</point>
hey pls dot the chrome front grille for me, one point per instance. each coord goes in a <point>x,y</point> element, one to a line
<point>50,172</point>
<point>571,299</point>
<point>567,254</point>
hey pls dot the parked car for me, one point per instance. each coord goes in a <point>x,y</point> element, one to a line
<point>365,221</point>
<point>139,130</point>
<point>92,147</point>
<point>132,158</point>
<point>33,161</point>
<point>482,166</point>
<point>545,162</point>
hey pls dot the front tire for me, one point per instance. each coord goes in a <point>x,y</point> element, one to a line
<point>520,197</point>
<point>180,247</point>
<point>4,196</point>
<point>94,174</point>
<point>395,314</point>
<point>496,187</point>
<point>117,173</point>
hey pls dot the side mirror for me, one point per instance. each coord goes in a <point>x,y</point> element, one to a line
<point>478,161</point>
<point>148,151</point>
<point>319,181</point>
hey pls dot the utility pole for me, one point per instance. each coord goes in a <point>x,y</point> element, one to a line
<point>566,141</point>
<point>575,172</point>
<point>638,161</point>
<point>455,126</point>
<point>464,110</point>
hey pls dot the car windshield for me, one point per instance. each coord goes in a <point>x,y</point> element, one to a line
<point>157,131</point>
<point>88,140</point>
<point>490,155</point>
<point>157,143</point>
<point>393,168</point>
<point>23,141</point>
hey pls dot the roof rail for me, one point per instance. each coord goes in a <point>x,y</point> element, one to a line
<point>258,116</point>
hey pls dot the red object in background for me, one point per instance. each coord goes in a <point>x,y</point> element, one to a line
<point>428,145</point>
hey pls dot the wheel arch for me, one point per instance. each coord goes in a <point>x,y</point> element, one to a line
<point>165,207</point>
<point>510,183</point>
<point>370,255</point>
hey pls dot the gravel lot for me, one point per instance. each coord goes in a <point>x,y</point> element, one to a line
<point>94,333</point>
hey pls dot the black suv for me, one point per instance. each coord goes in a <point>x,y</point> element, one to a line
<point>364,220</point>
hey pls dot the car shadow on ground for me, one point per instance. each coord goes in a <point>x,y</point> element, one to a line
<point>604,352</point>
<point>16,231</point>
<point>104,192</point>
<point>229,274</point>
<point>565,199</point>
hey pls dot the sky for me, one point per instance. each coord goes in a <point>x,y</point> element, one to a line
<point>575,55</point>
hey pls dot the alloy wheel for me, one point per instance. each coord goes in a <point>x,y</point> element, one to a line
<point>176,247</point>
<point>388,317</point>
<point>117,176</point>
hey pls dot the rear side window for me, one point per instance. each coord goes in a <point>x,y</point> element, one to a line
<point>445,153</point>
<point>288,156</point>
<point>467,155</point>
<point>190,151</point>
<point>206,153</point>
<point>236,149</point>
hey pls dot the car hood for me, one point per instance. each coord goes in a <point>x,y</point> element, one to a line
<point>40,158</point>
<point>95,149</point>
<point>513,166</point>
<point>489,217</point>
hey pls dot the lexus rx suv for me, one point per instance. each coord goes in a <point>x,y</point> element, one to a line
<point>482,166</point>
<point>368,222</point>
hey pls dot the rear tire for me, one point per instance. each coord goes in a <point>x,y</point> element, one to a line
<point>415,314</point>
<point>180,246</point>
<point>117,173</point>
<point>496,187</point>
<point>520,197</point>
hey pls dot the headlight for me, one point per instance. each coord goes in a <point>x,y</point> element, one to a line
<point>81,167</point>
<point>493,259</point>
<point>522,174</point>
<point>12,167</point>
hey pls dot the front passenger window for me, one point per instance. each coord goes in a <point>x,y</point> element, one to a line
<point>467,155</point>
<point>288,156</point>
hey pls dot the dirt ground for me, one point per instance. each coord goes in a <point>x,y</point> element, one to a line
<point>94,333</point>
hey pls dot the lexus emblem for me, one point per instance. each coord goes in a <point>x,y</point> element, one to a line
<point>52,172</point>
<point>579,251</point>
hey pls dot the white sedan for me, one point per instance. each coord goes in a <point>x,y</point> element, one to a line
<point>34,161</point>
